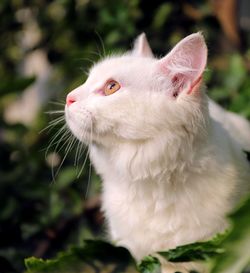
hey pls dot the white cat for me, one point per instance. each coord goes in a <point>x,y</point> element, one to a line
<point>171,160</point>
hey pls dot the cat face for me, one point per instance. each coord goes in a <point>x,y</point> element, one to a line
<point>135,97</point>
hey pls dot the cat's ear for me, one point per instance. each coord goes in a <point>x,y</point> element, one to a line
<point>141,47</point>
<point>185,63</point>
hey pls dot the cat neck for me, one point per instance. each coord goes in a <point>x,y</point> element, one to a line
<point>163,156</point>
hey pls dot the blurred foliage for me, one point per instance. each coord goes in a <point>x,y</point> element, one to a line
<point>236,256</point>
<point>39,215</point>
<point>92,257</point>
<point>228,252</point>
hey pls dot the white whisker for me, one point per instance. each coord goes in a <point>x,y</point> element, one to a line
<point>68,148</point>
<point>81,148</point>
<point>55,112</point>
<point>57,103</point>
<point>64,140</point>
<point>102,45</point>
<point>53,123</point>
<point>86,156</point>
<point>89,175</point>
<point>54,138</point>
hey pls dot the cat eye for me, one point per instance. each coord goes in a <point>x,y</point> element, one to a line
<point>111,87</point>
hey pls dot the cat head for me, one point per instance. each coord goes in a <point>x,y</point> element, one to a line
<point>136,97</point>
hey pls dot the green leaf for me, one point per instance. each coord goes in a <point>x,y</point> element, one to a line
<point>196,251</point>
<point>93,256</point>
<point>231,251</point>
<point>237,245</point>
<point>149,264</point>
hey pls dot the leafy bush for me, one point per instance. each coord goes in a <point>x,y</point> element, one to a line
<point>227,252</point>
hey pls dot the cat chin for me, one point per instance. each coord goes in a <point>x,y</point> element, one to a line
<point>83,136</point>
<point>81,130</point>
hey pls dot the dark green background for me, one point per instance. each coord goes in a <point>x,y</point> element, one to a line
<point>39,216</point>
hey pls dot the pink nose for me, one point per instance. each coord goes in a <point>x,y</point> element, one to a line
<point>69,100</point>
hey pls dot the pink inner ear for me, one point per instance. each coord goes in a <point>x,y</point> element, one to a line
<point>178,82</point>
<point>175,80</point>
<point>186,62</point>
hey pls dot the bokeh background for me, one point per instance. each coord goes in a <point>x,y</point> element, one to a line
<point>47,201</point>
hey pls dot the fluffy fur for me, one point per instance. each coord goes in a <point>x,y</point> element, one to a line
<point>171,161</point>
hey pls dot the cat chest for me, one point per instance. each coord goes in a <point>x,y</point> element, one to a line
<point>153,218</point>
<point>134,213</point>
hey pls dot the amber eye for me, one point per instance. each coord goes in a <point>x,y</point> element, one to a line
<point>111,87</point>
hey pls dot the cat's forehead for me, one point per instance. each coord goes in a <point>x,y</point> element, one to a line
<point>120,66</point>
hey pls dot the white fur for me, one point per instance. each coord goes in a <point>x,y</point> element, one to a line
<point>171,171</point>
